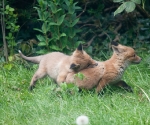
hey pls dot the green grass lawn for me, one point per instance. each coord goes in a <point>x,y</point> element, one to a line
<point>44,106</point>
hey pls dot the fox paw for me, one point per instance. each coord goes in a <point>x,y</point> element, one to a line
<point>31,87</point>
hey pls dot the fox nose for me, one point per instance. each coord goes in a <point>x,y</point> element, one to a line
<point>140,59</point>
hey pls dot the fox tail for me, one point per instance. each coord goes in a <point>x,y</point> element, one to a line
<point>35,59</point>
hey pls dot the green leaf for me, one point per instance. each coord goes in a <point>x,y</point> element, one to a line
<point>63,34</point>
<point>10,58</point>
<point>39,14</point>
<point>72,33</point>
<point>80,76</point>
<point>53,24</point>
<point>7,7</point>
<point>8,66</point>
<point>53,7</point>
<point>67,2</point>
<point>70,85</point>
<point>71,9</point>
<point>130,6</point>
<point>45,16</point>
<point>41,38</point>
<point>120,9</point>
<point>63,86</point>
<point>58,10</point>
<point>55,48</point>
<point>11,9</point>
<point>45,28</point>
<point>64,42</point>
<point>57,2</point>
<point>136,1</point>
<point>41,51</point>
<point>6,12</point>
<point>38,30</point>
<point>78,8</point>
<point>42,44</point>
<point>61,19</point>
<point>74,22</point>
<point>10,34</point>
<point>117,1</point>
<point>56,36</point>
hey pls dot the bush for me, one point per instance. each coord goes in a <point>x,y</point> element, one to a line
<point>58,30</point>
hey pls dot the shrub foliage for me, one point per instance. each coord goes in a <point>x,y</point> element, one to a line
<point>59,25</point>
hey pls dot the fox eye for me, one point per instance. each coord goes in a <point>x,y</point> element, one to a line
<point>134,55</point>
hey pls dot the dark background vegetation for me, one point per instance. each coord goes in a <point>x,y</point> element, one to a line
<point>97,27</point>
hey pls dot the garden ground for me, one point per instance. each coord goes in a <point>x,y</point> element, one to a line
<point>45,106</point>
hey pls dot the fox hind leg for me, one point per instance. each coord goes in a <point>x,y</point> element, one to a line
<point>101,85</point>
<point>40,73</point>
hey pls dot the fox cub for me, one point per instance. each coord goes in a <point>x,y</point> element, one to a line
<point>57,65</point>
<point>109,71</point>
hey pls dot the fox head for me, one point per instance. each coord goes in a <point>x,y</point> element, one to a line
<point>80,59</point>
<point>126,54</point>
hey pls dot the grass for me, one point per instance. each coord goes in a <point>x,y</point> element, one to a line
<point>44,106</point>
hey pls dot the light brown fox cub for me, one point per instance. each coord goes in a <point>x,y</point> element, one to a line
<point>109,71</point>
<point>57,65</point>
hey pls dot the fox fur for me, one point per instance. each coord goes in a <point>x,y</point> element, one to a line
<point>57,65</point>
<point>107,72</point>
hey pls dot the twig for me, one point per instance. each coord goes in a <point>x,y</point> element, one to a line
<point>87,25</point>
<point>83,10</point>
<point>85,33</point>
<point>104,33</point>
<point>110,8</point>
<point>143,12</point>
<point>117,38</point>
<point>118,28</point>
<point>89,42</point>
<point>92,39</point>
<point>88,20</point>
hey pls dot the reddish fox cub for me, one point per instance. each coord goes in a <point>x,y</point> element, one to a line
<point>57,65</point>
<point>109,71</point>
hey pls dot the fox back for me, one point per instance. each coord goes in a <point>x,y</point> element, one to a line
<point>57,65</point>
<point>109,71</point>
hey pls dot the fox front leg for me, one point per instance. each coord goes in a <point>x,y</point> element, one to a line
<point>61,77</point>
<point>124,85</point>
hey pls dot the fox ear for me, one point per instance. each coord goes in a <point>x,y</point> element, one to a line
<point>115,46</point>
<point>114,43</point>
<point>80,48</point>
<point>115,49</point>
